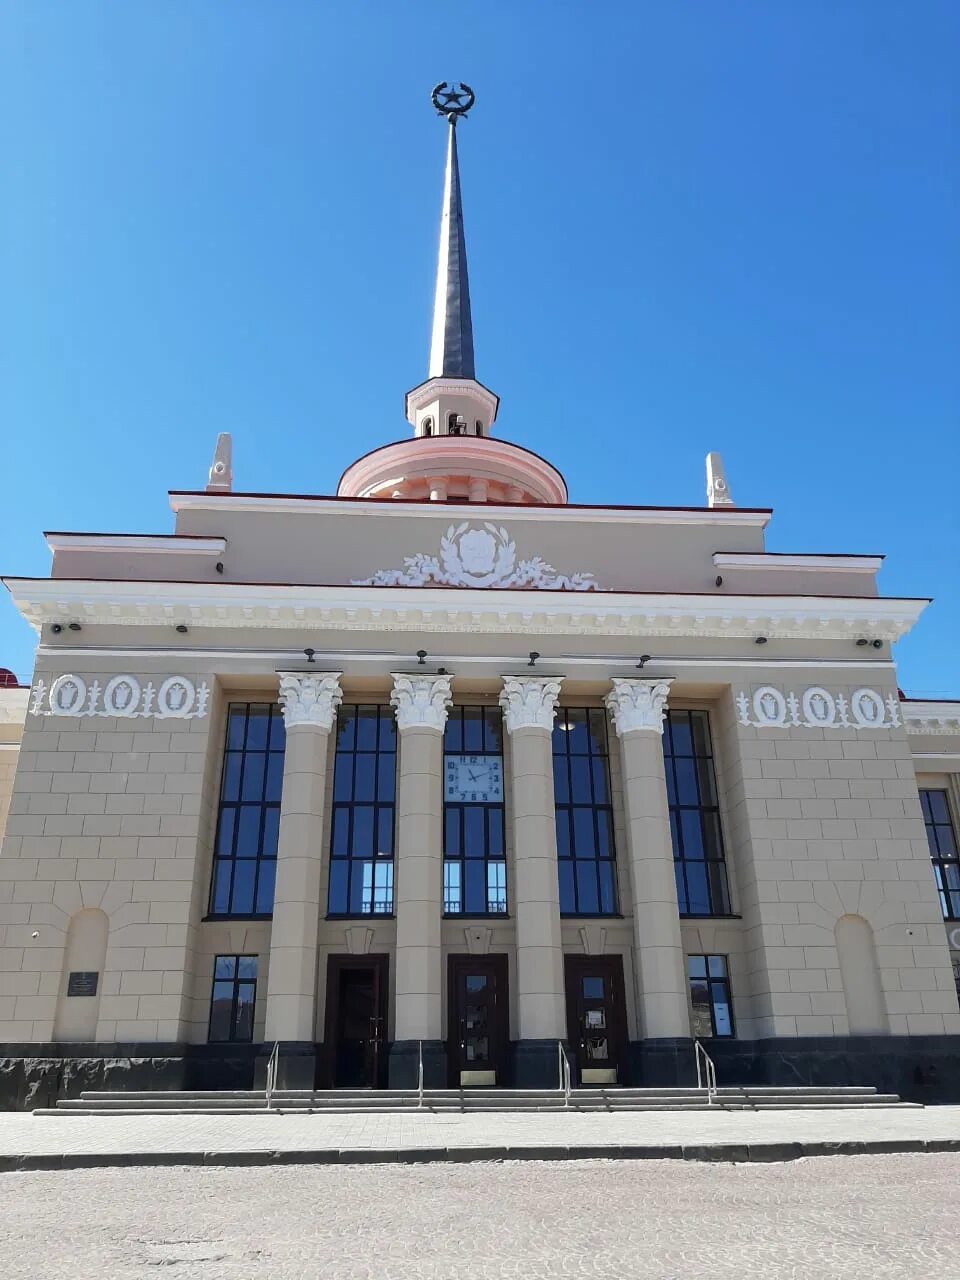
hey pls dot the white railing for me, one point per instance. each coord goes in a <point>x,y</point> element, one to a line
<point>564,1066</point>
<point>420,1077</point>
<point>706,1072</point>
<point>272,1067</point>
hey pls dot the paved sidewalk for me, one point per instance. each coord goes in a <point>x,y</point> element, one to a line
<point>66,1141</point>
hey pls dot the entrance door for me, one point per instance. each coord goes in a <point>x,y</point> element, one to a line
<point>356,1020</point>
<point>596,1017</point>
<point>477,1021</point>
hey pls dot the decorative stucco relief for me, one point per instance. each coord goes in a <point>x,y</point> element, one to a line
<point>475,557</point>
<point>818,708</point>
<point>123,696</point>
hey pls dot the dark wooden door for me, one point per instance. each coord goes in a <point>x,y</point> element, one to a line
<point>596,1017</point>
<point>356,1021</point>
<point>477,1020</point>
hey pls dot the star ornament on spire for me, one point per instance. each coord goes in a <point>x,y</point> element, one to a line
<point>452,101</point>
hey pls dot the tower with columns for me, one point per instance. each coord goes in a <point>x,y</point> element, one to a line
<point>443,777</point>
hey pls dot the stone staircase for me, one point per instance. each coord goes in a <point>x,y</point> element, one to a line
<point>390,1101</point>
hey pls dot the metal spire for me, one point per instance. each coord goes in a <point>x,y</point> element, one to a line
<point>451,346</point>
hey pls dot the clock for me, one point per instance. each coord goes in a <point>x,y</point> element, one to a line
<point>473,779</point>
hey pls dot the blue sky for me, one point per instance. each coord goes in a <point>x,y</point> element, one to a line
<point>692,225</point>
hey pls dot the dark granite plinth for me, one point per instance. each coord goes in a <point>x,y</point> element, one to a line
<point>403,1064</point>
<point>535,1064</point>
<point>296,1065</point>
<point>918,1068</point>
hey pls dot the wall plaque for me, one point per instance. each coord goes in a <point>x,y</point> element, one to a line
<point>82,983</point>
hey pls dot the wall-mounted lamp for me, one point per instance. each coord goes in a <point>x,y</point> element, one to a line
<point>760,640</point>
<point>878,644</point>
<point>718,581</point>
<point>862,641</point>
<point>56,628</point>
<point>219,566</point>
<point>533,658</point>
<point>442,671</point>
<point>644,659</point>
<point>421,657</point>
<point>75,626</point>
<point>308,654</point>
<point>180,629</point>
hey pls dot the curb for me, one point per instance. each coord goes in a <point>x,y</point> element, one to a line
<point>714,1153</point>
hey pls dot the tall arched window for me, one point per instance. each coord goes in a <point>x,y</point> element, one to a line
<point>479,428</point>
<point>428,426</point>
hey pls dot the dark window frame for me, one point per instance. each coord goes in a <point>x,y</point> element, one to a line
<point>715,983</point>
<point>567,809</point>
<point>493,814</point>
<point>344,868</point>
<point>237,983</point>
<point>944,849</point>
<point>237,769</point>
<point>680,769</point>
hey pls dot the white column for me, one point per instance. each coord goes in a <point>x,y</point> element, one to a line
<point>638,708</point>
<point>529,705</point>
<point>309,709</point>
<point>421,703</point>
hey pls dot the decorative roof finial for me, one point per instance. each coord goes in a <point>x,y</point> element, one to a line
<point>718,494</point>
<point>451,100</point>
<point>221,472</point>
<point>451,345</point>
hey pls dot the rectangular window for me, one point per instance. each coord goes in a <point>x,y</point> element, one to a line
<point>364,796</point>
<point>474,850</point>
<point>248,824</point>
<point>711,1009</point>
<point>233,999</point>
<point>698,853</point>
<point>586,857</point>
<point>942,839</point>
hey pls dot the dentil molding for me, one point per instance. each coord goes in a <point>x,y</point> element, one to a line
<point>310,699</point>
<point>123,696</point>
<point>529,702</point>
<point>478,557</point>
<point>638,704</point>
<point>818,708</point>
<point>421,701</point>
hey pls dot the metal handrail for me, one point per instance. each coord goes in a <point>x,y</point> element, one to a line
<point>420,1077</point>
<point>565,1085</point>
<point>273,1063</point>
<point>706,1073</point>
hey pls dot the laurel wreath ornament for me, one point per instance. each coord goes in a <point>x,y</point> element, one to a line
<point>472,556</point>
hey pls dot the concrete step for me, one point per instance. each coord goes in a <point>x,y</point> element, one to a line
<point>456,1101</point>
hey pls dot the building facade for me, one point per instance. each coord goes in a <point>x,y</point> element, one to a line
<point>445,767</point>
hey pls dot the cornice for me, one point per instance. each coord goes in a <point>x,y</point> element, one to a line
<point>450,610</point>
<point>183,544</point>
<point>931,717</point>
<point>312,504</point>
<point>779,560</point>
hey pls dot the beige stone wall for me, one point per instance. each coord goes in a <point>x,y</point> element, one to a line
<point>13,710</point>
<point>107,813</point>
<point>825,823</point>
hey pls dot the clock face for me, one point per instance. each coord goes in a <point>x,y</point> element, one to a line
<point>473,779</point>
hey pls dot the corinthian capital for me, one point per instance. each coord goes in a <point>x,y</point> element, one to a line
<point>529,702</point>
<point>638,704</point>
<point>421,701</point>
<point>310,699</point>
